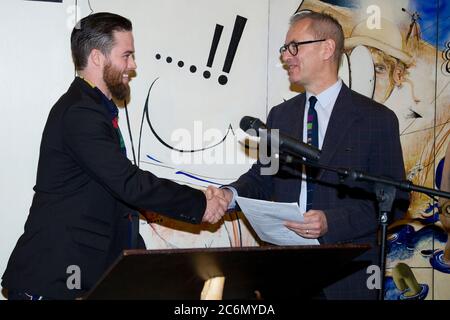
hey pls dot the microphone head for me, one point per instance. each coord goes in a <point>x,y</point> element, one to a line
<point>251,123</point>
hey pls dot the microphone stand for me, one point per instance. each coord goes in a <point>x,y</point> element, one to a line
<point>385,190</point>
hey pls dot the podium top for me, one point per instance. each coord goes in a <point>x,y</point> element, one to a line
<point>281,271</point>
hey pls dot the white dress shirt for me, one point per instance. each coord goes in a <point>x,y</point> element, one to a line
<point>324,106</point>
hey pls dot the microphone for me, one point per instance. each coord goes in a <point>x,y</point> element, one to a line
<point>285,143</point>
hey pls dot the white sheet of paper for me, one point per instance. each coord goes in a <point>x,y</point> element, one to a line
<point>267,219</point>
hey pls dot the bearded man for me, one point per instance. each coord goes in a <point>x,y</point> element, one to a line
<point>87,192</point>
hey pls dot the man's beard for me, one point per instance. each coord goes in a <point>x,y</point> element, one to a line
<point>114,81</point>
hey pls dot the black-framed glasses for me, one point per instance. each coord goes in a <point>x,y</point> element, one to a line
<point>292,46</point>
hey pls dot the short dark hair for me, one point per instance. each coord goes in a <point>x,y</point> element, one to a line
<point>326,27</point>
<point>95,31</point>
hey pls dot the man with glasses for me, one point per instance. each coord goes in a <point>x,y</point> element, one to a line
<point>351,130</point>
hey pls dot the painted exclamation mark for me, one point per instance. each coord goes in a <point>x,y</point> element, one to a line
<point>212,52</point>
<point>239,25</point>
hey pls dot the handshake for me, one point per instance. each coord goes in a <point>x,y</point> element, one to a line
<point>217,202</point>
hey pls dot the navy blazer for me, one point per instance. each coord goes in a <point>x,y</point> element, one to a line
<point>85,190</point>
<point>363,135</point>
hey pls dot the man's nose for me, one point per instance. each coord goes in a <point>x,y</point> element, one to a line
<point>285,55</point>
<point>132,63</point>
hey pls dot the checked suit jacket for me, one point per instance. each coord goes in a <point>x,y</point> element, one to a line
<point>362,135</point>
<point>85,190</point>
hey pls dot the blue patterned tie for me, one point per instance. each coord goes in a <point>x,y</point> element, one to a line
<point>313,140</point>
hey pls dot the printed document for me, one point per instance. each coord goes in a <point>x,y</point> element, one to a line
<point>267,219</point>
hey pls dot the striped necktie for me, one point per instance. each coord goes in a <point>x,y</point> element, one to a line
<point>313,140</point>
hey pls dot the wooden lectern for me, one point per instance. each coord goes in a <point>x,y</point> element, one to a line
<point>281,272</point>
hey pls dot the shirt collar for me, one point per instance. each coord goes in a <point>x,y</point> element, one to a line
<point>328,97</point>
<point>88,82</point>
<point>108,103</point>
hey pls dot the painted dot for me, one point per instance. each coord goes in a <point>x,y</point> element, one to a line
<point>223,79</point>
<point>427,253</point>
<point>169,59</point>
<point>193,69</point>
<point>206,74</point>
<point>180,64</point>
<point>158,56</point>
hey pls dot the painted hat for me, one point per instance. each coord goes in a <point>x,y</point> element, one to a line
<point>387,38</point>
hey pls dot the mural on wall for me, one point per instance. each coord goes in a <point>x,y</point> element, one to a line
<point>397,53</point>
<point>198,136</point>
<point>195,147</point>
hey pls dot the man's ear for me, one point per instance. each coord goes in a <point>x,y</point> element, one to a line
<point>329,47</point>
<point>97,58</point>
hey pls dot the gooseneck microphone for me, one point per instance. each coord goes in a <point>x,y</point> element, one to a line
<point>287,144</point>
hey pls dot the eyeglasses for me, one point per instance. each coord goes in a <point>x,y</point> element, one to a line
<point>292,46</point>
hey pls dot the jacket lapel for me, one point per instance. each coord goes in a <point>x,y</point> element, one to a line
<point>341,120</point>
<point>298,122</point>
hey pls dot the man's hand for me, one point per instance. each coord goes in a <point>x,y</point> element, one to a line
<point>216,205</point>
<point>314,225</point>
<point>225,194</point>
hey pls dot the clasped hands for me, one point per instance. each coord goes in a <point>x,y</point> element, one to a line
<point>217,202</point>
<point>314,225</point>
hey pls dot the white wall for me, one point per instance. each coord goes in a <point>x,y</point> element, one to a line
<point>35,69</point>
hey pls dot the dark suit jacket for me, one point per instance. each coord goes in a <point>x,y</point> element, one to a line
<point>84,191</point>
<point>362,135</point>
